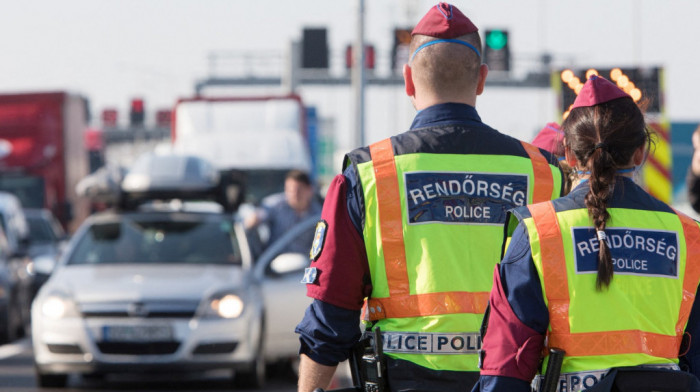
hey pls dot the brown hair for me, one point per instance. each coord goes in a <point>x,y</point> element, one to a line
<point>298,176</point>
<point>603,138</point>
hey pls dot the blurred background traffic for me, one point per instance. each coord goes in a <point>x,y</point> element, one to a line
<point>146,151</point>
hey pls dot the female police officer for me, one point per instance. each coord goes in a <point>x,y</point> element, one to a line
<point>608,273</point>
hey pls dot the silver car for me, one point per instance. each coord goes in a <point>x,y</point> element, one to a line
<point>168,289</point>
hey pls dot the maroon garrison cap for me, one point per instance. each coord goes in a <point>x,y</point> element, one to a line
<point>550,138</point>
<point>444,21</point>
<point>598,90</point>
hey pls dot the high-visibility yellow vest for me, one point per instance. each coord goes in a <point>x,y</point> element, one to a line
<point>433,231</point>
<point>641,317</point>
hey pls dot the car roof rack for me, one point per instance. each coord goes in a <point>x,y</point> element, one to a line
<point>162,177</point>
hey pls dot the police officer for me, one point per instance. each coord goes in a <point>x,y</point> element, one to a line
<point>551,138</point>
<point>414,224</point>
<point>608,273</point>
<point>693,177</point>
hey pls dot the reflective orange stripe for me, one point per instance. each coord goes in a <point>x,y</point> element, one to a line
<point>616,342</point>
<point>608,342</point>
<point>556,282</point>
<point>542,174</point>
<point>390,222</point>
<point>427,305</point>
<point>692,269</point>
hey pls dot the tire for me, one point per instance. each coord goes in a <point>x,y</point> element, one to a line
<point>52,380</point>
<point>287,369</point>
<point>5,329</point>
<point>294,365</point>
<point>254,375</point>
<point>21,327</point>
<point>13,325</point>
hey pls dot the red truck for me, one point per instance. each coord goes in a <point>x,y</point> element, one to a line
<point>43,153</point>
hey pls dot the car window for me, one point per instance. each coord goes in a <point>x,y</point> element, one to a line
<point>56,227</point>
<point>292,247</point>
<point>166,241</point>
<point>40,230</point>
<point>2,222</point>
<point>301,243</point>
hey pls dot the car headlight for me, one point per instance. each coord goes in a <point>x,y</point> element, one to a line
<point>57,306</point>
<point>226,306</point>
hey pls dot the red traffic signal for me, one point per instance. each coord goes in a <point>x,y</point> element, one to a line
<point>369,56</point>
<point>137,114</point>
<point>163,118</point>
<point>109,118</point>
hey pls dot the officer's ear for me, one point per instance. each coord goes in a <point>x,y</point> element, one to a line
<point>408,81</point>
<point>483,72</point>
<point>639,155</point>
<point>569,157</point>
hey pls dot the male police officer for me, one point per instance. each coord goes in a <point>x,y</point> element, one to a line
<point>413,225</point>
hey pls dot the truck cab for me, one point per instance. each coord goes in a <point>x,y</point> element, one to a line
<point>253,141</point>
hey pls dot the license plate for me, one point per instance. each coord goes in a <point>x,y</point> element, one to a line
<point>137,333</point>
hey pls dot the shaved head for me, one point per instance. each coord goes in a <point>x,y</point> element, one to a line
<point>446,69</point>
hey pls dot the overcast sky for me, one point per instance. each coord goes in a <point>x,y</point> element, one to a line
<point>112,51</point>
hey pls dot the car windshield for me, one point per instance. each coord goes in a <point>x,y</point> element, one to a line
<point>160,241</point>
<point>40,230</point>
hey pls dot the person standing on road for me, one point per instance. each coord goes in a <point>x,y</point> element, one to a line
<point>551,138</point>
<point>608,273</point>
<point>413,226</point>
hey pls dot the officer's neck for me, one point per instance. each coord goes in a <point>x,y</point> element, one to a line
<point>425,100</point>
<point>584,175</point>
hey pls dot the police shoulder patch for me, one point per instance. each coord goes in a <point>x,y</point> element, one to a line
<point>319,240</point>
<point>310,275</point>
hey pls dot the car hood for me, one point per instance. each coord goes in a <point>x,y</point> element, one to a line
<point>132,282</point>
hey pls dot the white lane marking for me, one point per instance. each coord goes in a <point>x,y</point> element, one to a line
<point>15,348</point>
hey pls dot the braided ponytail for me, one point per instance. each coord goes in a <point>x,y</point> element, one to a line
<point>602,182</point>
<point>603,138</point>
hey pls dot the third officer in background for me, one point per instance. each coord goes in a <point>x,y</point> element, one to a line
<point>412,229</point>
<point>692,179</point>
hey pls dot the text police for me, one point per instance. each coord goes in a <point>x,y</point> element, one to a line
<point>634,251</point>
<point>461,197</point>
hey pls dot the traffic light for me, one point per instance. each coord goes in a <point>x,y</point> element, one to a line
<point>163,118</point>
<point>369,57</point>
<point>109,118</point>
<point>399,51</point>
<point>137,113</point>
<point>314,48</point>
<point>496,50</point>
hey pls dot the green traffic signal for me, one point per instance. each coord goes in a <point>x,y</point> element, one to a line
<point>496,39</point>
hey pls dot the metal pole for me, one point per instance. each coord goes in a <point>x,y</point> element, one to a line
<point>358,76</point>
<point>290,79</point>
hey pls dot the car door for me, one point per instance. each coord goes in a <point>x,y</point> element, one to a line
<point>284,295</point>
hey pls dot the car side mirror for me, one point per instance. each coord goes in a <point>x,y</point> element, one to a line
<point>289,262</point>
